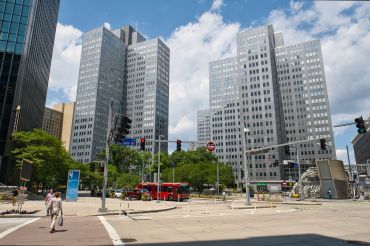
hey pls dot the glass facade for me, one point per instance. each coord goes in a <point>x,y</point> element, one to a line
<point>14,16</point>
<point>26,47</point>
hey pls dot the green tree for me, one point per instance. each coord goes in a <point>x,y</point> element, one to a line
<point>127,180</point>
<point>50,160</point>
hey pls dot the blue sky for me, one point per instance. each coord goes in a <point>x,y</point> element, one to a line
<point>199,31</point>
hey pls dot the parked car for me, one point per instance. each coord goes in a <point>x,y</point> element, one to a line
<point>118,193</point>
<point>136,194</point>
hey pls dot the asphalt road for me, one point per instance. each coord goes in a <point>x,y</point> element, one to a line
<point>336,223</point>
<point>206,223</point>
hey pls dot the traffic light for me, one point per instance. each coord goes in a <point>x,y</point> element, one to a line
<point>92,167</point>
<point>178,145</point>
<point>123,129</point>
<point>287,149</point>
<point>142,144</point>
<point>360,125</point>
<point>323,144</point>
<point>274,164</point>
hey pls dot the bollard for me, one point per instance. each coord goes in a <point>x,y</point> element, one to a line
<point>255,207</point>
<point>119,213</point>
<point>128,209</point>
<point>189,207</point>
<point>178,198</point>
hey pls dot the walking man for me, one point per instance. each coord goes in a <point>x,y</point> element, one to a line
<point>329,194</point>
<point>48,198</point>
<point>14,198</point>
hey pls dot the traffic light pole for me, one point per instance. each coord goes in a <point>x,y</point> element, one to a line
<point>103,208</point>
<point>246,171</point>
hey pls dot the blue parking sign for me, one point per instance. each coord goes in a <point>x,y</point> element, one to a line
<point>72,185</point>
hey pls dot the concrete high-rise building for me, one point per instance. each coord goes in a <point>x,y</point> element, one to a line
<point>134,72</point>
<point>203,125</point>
<point>224,111</point>
<point>259,102</point>
<point>304,102</point>
<point>101,77</point>
<point>148,72</point>
<point>67,109</point>
<point>278,93</point>
<point>58,122</point>
<point>26,47</point>
<point>52,122</point>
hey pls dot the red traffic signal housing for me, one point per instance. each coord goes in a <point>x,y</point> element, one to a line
<point>142,144</point>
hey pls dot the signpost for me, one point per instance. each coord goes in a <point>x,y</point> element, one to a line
<point>72,185</point>
<point>25,176</point>
<point>129,141</point>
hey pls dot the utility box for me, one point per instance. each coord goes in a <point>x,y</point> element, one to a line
<point>332,175</point>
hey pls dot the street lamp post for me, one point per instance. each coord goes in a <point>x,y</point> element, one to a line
<point>299,174</point>
<point>103,208</point>
<point>246,173</point>
<point>159,166</point>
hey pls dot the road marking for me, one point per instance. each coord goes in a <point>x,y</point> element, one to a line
<point>10,230</point>
<point>111,231</point>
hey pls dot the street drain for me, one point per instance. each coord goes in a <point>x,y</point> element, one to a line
<point>128,240</point>
<point>357,242</point>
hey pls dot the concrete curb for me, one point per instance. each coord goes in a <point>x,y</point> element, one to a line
<point>257,207</point>
<point>124,212</point>
<point>294,203</point>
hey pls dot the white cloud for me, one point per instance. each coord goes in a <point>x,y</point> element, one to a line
<point>66,61</point>
<point>193,46</point>
<point>342,155</point>
<point>216,5</point>
<point>343,28</point>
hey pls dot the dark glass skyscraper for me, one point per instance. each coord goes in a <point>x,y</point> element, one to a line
<point>26,47</point>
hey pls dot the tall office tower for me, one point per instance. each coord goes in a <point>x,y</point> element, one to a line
<point>67,109</point>
<point>122,65</point>
<point>305,102</point>
<point>26,47</point>
<point>52,122</point>
<point>58,122</point>
<point>282,98</point>
<point>101,78</point>
<point>259,104</point>
<point>203,126</point>
<point>224,111</point>
<point>148,71</point>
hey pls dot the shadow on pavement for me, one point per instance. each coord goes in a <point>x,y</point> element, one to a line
<point>303,239</point>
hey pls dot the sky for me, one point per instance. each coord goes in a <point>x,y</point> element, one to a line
<point>200,31</point>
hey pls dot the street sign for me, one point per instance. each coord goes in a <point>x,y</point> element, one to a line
<point>211,146</point>
<point>129,141</point>
<point>72,185</point>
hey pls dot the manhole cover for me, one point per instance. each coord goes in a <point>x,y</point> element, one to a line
<point>128,240</point>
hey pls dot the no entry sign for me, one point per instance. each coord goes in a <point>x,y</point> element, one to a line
<point>211,146</point>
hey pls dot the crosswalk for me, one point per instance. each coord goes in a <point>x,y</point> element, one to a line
<point>201,213</point>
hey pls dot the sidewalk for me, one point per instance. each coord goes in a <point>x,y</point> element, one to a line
<point>88,206</point>
<point>75,231</point>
